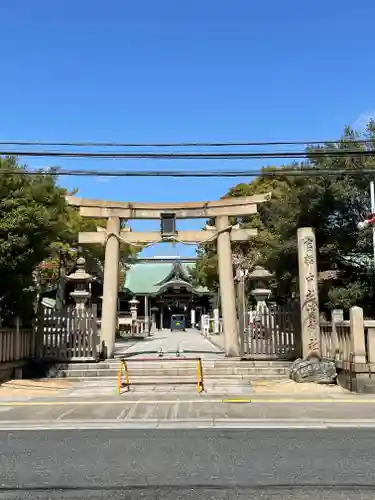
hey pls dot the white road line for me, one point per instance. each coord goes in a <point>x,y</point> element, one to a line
<point>122,414</point>
<point>65,413</point>
<point>132,410</point>
<point>185,425</point>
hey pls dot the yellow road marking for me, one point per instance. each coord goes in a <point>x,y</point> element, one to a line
<point>236,401</point>
<point>190,401</point>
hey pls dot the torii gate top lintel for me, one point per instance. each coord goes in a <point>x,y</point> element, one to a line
<point>230,206</point>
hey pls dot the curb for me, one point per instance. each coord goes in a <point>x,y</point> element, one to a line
<point>227,424</point>
<point>234,399</point>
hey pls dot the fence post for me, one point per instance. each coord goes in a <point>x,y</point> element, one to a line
<point>371,344</point>
<point>17,347</point>
<point>119,378</point>
<point>39,348</point>
<point>357,334</point>
<point>200,386</point>
<point>334,337</point>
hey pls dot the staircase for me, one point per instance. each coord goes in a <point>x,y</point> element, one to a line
<point>219,376</point>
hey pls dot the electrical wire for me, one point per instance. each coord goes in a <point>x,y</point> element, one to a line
<point>305,172</point>
<point>191,156</point>
<point>181,144</point>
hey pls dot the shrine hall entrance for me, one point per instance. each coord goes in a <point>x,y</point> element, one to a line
<point>189,306</point>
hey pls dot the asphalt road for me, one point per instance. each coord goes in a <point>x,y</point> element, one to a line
<point>201,464</point>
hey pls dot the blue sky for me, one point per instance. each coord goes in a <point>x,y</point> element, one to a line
<point>173,70</point>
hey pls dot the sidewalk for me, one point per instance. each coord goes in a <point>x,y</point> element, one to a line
<point>57,403</point>
<point>62,388</point>
<point>121,412</point>
<point>58,389</point>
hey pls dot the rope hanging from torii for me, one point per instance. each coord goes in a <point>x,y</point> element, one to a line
<point>167,239</point>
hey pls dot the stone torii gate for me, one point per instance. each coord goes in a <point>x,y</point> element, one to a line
<point>223,232</point>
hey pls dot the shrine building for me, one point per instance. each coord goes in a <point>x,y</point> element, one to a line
<point>163,288</point>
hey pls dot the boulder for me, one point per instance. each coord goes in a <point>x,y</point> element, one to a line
<point>320,371</point>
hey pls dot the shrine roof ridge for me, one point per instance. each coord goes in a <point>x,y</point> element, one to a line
<point>148,278</point>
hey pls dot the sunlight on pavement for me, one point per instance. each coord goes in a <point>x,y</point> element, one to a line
<point>290,387</point>
<point>30,388</point>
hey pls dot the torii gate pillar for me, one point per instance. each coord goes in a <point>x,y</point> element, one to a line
<point>227,290</point>
<point>110,286</point>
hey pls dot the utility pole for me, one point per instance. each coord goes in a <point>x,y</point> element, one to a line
<point>370,222</point>
<point>372,196</point>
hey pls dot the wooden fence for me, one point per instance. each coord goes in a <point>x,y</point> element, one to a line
<point>68,334</point>
<point>16,344</point>
<point>273,333</point>
<point>59,335</point>
<point>336,341</point>
<point>339,342</point>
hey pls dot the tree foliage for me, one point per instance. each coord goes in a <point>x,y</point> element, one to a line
<point>333,205</point>
<point>36,226</point>
<point>64,250</point>
<point>32,212</point>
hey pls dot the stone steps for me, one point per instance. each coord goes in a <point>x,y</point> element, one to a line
<point>176,376</point>
<point>162,380</point>
<point>207,364</point>
<point>213,373</point>
<point>225,376</point>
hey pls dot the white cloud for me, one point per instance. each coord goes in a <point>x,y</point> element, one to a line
<point>362,120</point>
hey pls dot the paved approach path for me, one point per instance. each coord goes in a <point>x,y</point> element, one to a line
<point>191,341</point>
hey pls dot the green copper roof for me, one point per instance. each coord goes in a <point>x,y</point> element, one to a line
<point>147,277</point>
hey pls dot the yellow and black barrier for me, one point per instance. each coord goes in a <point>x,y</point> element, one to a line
<point>123,380</point>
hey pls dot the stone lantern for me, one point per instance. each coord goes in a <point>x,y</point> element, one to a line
<point>154,311</point>
<point>261,291</point>
<point>81,281</point>
<point>133,308</point>
<point>214,303</point>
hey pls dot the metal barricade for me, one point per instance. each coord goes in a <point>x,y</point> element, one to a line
<point>123,379</point>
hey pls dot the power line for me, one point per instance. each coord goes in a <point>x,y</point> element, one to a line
<point>305,172</point>
<point>181,144</point>
<point>191,156</point>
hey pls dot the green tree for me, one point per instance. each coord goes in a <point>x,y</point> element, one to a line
<point>66,245</point>
<point>333,205</point>
<point>32,211</point>
<point>36,225</point>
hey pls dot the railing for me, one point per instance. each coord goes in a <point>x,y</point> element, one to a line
<point>370,340</point>
<point>128,327</point>
<point>123,378</point>
<point>139,327</point>
<point>335,341</point>
<point>326,340</point>
<point>212,326</point>
<point>16,344</point>
<point>351,344</point>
